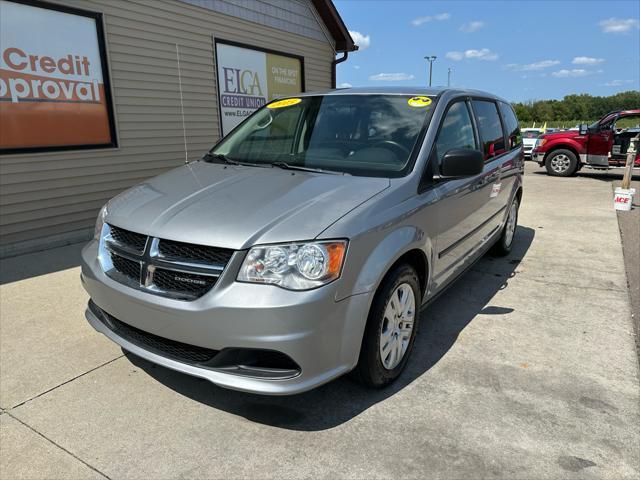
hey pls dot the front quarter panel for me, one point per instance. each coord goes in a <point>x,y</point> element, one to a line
<point>380,235</point>
<point>575,143</point>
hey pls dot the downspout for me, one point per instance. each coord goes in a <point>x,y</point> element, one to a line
<point>333,68</point>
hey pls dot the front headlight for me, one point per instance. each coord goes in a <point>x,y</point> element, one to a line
<point>294,266</point>
<point>540,142</point>
<point>100,222</point>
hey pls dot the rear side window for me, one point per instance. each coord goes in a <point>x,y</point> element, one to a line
<point>456,130</point>
<point>490,128</point>
<point>511,125</point>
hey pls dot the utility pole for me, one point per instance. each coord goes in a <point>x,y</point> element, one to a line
<point>449,76</point>
<point>430,59</point>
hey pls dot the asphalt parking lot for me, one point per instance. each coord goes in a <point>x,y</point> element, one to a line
<point>526,368</point>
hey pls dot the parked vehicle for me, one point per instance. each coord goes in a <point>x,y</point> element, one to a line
<point>305,243</point>
<point>601,145</point>
<point>529,137</point>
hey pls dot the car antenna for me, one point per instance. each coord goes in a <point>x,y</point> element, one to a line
<point>184,128</point>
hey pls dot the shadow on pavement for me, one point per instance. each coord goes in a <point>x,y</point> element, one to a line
<point>13,269</point>
<point>341,400</point>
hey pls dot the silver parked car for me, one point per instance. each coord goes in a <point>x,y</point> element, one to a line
<point>304,245</point>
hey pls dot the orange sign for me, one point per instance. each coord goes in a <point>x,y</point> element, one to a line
<point>52,91</point>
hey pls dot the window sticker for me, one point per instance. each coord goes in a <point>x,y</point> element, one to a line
<point>419,102</point>
<point>287,102</point>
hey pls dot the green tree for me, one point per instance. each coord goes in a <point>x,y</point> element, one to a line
<point>572,108</point>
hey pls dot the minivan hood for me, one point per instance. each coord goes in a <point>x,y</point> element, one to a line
<point>237,206</point>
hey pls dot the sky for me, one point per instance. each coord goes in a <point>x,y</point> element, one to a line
<point>519,50</point>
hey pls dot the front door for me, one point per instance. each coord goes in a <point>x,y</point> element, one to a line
<point>600,142</point>
<point>463,202</point>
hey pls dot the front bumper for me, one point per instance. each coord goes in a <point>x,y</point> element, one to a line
<point>537,156</point>
<point>320,335</point>
<point>527,151</point>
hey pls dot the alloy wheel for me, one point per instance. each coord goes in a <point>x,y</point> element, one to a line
<point>560,163</point>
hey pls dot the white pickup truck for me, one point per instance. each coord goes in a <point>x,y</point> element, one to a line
<point>529,137</point>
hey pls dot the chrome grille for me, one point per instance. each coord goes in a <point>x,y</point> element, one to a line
<point>172,281</point>
<point>197,253</point>
<point>130,240</point>
<point>163,267</point>
<point>129,268</point>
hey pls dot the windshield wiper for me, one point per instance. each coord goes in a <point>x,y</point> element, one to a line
<point>209,157</point>
<point>288,166</point>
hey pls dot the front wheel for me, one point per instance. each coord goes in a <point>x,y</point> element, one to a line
<point>561,163</point>
<point>503,246</point>
<point>391,328</point>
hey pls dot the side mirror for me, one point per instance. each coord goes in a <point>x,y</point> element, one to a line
<point>461,162</point>
<point>583,129</point>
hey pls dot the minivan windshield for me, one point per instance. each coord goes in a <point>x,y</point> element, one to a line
<point>365,135</point>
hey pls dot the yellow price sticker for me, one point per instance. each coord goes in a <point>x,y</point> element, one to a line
<point>287,102</point>
<point>419,102</point>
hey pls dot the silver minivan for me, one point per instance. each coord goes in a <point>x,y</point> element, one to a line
<point>305,244</point>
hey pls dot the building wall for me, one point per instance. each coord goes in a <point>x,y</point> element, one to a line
<point>295,16</point>
<point>48,199</point>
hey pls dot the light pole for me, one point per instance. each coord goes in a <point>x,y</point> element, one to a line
<point>430,59</point>
<point>449,70</point>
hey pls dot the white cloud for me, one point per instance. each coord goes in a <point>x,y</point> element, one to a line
<point>416,22</point>
<point>345,85</point>
<point>472,26</point>
<point>482,54</point>
<point>391,77</point>
<point>356,67</point>
<point>542,64</point>
<point>617,83</point>
<point>363,41</point>
<point>587,60</point>
<point>618,25</point>
<point>574,72</point>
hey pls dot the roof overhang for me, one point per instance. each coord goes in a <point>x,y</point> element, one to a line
<point>332,20</point>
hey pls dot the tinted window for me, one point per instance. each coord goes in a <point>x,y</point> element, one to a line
<point>511,125</point>
<point>456,130</point>
<point>490,128</point>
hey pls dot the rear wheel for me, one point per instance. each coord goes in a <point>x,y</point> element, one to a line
<point>503,246</point>
<point>561,163</point>
<point>391,328</point>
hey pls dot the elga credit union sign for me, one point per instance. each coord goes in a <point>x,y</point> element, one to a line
<point>248,78</point>
<point>52,84</point>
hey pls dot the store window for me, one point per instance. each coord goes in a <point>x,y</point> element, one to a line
<point>54,88</point>
<point>250,77</point>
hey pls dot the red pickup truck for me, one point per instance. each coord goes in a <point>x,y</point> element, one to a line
<point>602,145</point>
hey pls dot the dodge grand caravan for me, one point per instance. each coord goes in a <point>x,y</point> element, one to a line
<point>303,245</point>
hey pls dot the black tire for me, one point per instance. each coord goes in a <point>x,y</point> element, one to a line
<point>561,163</point>
<point>370,369</point>
<point>503,245</point>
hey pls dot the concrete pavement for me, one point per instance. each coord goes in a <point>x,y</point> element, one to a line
<point>526,368</point>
